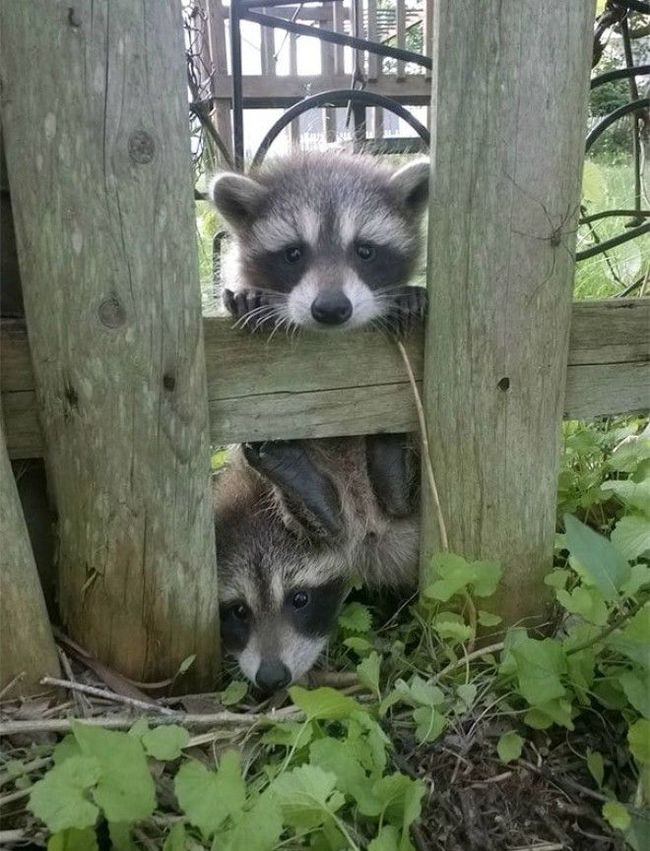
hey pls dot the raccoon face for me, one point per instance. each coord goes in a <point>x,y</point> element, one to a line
<point>328,238</point>
<point>277,639</point>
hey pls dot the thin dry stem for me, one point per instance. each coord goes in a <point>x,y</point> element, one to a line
<point>106,695</point>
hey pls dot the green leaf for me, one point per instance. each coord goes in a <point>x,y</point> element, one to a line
<point>634,494</point>
<point>386,840</point>
<point>452,630</point>
<point>186,664</point>
<point>208,797</point>
<point>325,703</point>
<point>455,575</point>
<point>637,690</point>
<point>339,758</point>
<point>631,537</point>
<point>430,723</point>
<point>617,815</point>
<point>400,797</point>
<point>488,574</point>
<point>355,617</point>
<point>121,839</point>
<point>258,829</point>
<point>289,734</point>
<point>165,743</point>
<point>412,808</point>
<point>510,746</point>
<point>607,568</point>
<point>596,766</point>
<point>488,619</point>
<point>539,667</point>
<point>306,796</point>
<point>125,790</point>
<point>176,838</point>
<point>66,748</point>
<point>544,715</point>
<point>60,799</point>
<point>467,693</point>
<point>638,738</point>
<point>585,601</point>
<point>632,641</point>
<point>234,693</point>
<point>74,840</point>
<point>420,692</point>
<point>368,672</point>
<point>557,578</point>
<point>639,578</point>
<point>358,644</point>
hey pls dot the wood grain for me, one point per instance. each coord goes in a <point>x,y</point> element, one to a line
<point>95,128</point>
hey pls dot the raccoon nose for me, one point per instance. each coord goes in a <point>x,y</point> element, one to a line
<point>272,675</point>
<point>331,308</point>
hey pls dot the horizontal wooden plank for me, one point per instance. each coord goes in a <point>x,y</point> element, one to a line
<point>317,385</point>
<point>265,92</point>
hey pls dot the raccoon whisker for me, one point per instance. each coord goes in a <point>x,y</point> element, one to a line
<point>280,321</point>
<point>258,313</point>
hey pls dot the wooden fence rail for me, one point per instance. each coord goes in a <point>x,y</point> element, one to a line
<point>259,390</point>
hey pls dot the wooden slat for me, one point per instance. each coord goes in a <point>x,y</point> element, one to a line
<point>265,92</point>
<point>371,35</point>
<point>259,390</point>
<point>401,35</point>
<point>340,14</point>
<point>267,49</point>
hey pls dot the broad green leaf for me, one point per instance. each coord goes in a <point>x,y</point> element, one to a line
<point>544,715</point>
<point>631,536</point>
<point>633,639</point>
<point>66,748</point>
<point>355,617</point>
<point>386,840</point>
<point>186,664</point>
<point>419,692</point>
<point>338,758</point>
<point>430,723</point>
<point>607,568</point>
<point>61,798</point>
<point>585,601</point>
<point>467,693</point>
<point>358,644</point>
<point>488,619</point>
<point>125,790</point>
<point>370,741</point>
<point>121,839</point>
<point>638,737</point>
<point>138,729</point>
<point>176,838</point>
<point>166,742</point>
<point>451,573</point>
<point>540,666</point>
<point>307,796</point>
<point>630,452</point>
<point>452,630</point>
<point>488,574</point>
<point>73,840</point>
<point>258,829</point>
<point>412,809</point>
<point>617,815</point>
<point>401,798</point>
<point>368,672</point>
<point>634,494</point>
<point>596,766</point>
<point>557,578</point>
<point>234,693</point>
<point>639,578</point>
<point>325,703</point>
<point>208,797</point>
<point>510,746</point>
<point>637,690</point>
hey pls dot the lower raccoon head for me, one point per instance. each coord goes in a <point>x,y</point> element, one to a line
<point>327,237</point>
<point>277,640</point>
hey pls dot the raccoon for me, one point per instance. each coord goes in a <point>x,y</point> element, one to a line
<point>297,523</point>
<point>324,241</point>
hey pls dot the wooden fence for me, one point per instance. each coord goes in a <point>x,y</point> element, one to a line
<point>112,387</point>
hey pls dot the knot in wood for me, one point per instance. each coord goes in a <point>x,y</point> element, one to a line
<point>504,384</point>
<point>111,313</point>
<point>141,147</point>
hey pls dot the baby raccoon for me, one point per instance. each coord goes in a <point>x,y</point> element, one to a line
<point>296,523</point>
<point>324,240</point>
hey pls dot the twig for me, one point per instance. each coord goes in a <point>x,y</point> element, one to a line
<point>618,621</point>
<point>444,541</point>
<point>11,684</point>
<point>11,836</point>
<point>27,768</point>
<point>14,796</point>
<point>81,702</point>
<point>553,846</point>
<point>564,783</point>
<point>123,722</point>
<point>460,663</point>
<point>107,695</point>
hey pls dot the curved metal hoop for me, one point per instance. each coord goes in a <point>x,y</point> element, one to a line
<point>338,97</point>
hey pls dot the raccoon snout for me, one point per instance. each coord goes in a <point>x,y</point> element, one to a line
<point>272,675</point>
<point>331,308</point>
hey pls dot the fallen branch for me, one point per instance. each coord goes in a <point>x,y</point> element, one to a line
<point>106,695</point>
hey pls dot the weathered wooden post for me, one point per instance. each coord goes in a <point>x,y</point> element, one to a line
<point>27,650</point>
<point>509,95</point>
<point>95,124</point>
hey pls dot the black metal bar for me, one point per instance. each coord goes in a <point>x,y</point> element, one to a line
<point>339,97</point>
<point>638,6</point>
<point>237,85</point>
<point>337,38</point>
<point>606,214</point>
<point>620,74</point>
<point>626,109</point>
<point>613,242</point>
<point>636,137</point>
<point>260,4</point>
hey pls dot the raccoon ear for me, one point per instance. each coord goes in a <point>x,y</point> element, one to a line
<point>411,182</point>
<point>237,197</point>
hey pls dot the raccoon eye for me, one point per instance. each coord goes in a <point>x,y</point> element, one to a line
<point>299,600</point>
<point>239,611</point>
<point>365,251</point>
<point>293,254</point>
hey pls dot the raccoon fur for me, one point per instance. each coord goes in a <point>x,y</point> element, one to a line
<point>324,240</point>
<point>297,524</point>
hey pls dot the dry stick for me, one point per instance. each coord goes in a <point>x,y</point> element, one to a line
<point>442,528</point>
<point>460,663</point>
<point>123,722</point>
<point>107,695</point>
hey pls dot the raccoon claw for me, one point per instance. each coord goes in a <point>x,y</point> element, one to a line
<point>407,311</point>
<point>246,307</point>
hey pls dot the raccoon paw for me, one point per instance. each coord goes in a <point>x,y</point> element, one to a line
<point>247,307</point>
<point>407,310</point>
